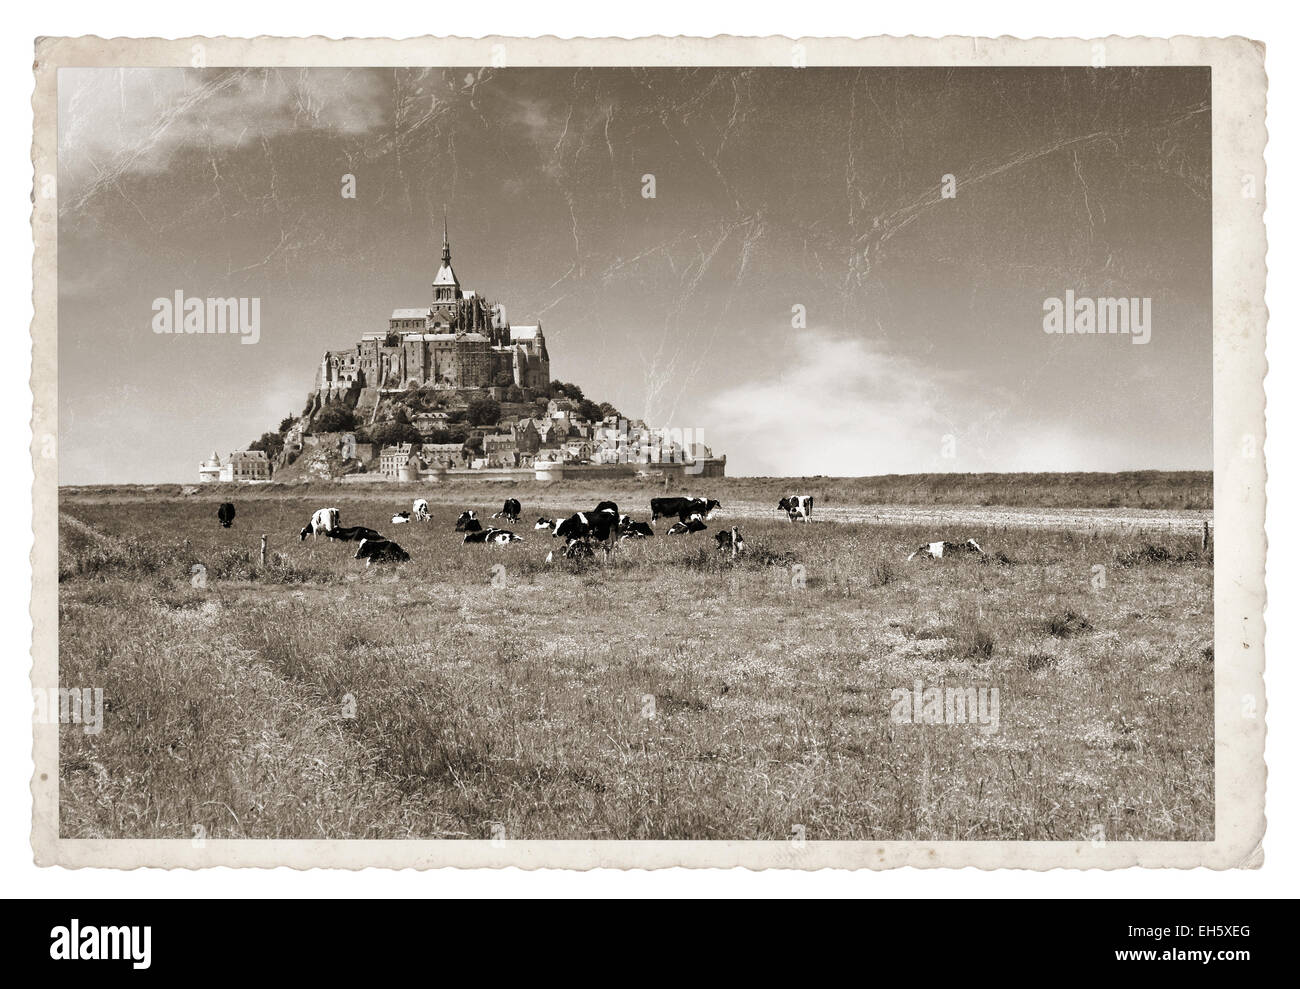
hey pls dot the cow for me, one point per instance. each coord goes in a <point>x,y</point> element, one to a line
<point>381,551</point>
<point>401,518</point>
<point>479,535</point>
<point>504,537</point>
<point>581,525</point>
<point>684,527</point>
<point>936,550</point>
<point>324,520</point>
<point>353,533</point>
<point>607,507</point>
<point>468,522</point>
<point>226,514</point>
<point>510,511</point>
<point>635,530</point>
<point>683,508</point>
<point>545,523</point>
<point>420,510</point>
<point>796,507</point>
<point>730,539</point>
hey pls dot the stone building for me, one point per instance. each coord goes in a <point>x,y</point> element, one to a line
<point>392,459</point>
<point>459,341</point>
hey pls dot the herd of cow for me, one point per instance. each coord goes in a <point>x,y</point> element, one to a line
<point>582,532</point>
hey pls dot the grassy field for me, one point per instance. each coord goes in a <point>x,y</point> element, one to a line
<point>665,693</point>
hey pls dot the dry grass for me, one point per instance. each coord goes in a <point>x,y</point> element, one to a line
<point>519,697</point>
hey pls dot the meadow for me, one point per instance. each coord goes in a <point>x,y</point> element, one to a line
<point>667,692</point>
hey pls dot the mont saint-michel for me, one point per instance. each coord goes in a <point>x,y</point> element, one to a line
<point>455,386</point>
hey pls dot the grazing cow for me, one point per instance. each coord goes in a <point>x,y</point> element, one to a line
<point>796,507</point>
<point>693,525</point>
<point>731,539</point>
<point>381,551</point>
<point>683,508</point>
<point>420,510</point>
<point>324,520</point>
<point>468,522</point>
<point>510,511</point>
<point>401,518</point>
<point>635,530</point>
<point>936,550</point>
<point>226,514</point>
<point>353,533</point>
<point>581,525</point>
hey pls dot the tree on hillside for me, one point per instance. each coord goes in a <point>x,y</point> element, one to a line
<point>564,389</point>
<point>590,411</point>
<point>334,418</point>
<point>401,415</point>
<point>484,412</point>
<point>286,424</point>
<point>607,410</point>
<point>272,443</point>
<point>390,433</point>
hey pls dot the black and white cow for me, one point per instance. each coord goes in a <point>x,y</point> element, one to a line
<point>635,530</point>
<point>479,535</point>
<point>606,508</point>
<point>353,533</point>
<point>504,537</point>
<point>585,525</point>
<point>683,508</point>
<point>730,539</point>
<point>381,551</point>
<point>692,525</point>
<point>468,522</point>
<point>937,550</point>
<point>796,507</point>
<point>324,520</point>
<point>510,511</point>
<point>401,518</point>
<point>420,510</point>
<point>545,523</point>
<point>226,514</point>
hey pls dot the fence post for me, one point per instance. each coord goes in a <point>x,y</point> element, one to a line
<point>263,549</point>
<point>1205,536</point>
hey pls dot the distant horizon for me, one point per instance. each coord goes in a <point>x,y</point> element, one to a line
<point>493,484</point>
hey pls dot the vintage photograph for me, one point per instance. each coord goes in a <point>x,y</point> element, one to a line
<point>509,453</point>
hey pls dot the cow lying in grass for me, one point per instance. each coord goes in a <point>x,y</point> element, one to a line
<point>381,551</point>
<point>936,550</point>
<point>468,522</point>
<point>501,537</point>
<point>353,533</point>
<point>686,527</point>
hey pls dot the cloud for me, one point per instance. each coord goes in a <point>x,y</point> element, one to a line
<point>119,122</point>
<point>849,407</point>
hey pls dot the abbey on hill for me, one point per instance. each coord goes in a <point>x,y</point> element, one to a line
<point>459,341</point>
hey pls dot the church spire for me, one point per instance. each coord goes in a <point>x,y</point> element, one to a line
<point>446,286</point>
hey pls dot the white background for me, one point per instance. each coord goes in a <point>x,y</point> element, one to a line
<point>24,22</point>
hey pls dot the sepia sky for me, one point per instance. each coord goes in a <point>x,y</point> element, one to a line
<point>774,188</point>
